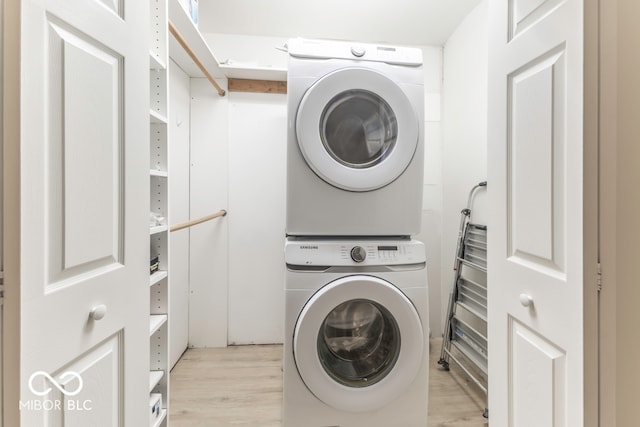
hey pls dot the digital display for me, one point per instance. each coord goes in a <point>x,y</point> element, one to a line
<point>387,248</point>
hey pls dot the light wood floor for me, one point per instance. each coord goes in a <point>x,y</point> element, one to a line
<point>242,386</point>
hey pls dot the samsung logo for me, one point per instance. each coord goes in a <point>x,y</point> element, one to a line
<point>308,246</point>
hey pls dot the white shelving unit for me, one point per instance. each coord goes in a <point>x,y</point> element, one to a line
<point>254,72</point>
<point>162,47</point>
<point>159,205</point>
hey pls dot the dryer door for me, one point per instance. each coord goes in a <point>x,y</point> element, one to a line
<point>357,129</point>
<point>358,343</point>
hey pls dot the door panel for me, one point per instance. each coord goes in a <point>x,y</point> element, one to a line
<point>523,14</point>
<point>536,143</point>
<point>114,5</point>
<point>85,160</point>
<point>92,159</point>
<point>537,368</point>
<point>98,401</point>
<point>535,165</point>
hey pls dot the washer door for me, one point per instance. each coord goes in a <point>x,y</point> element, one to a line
<point>357,129</point>
<point>358,343</point>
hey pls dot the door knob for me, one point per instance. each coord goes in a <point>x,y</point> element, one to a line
<point>526,300</point>
<point>98,312</point>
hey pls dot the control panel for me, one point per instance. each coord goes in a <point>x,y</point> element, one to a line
<point>351,253</point>
<point>398,55</point>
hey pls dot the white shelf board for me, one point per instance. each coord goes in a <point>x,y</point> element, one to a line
<point>185,26</point>
<point>158,229</point>
<point>239,71</point>
<point>181,20</point>
<point>157,117</point>
<point>161,174</point>
<point>163,415</point>
<point>157,277</point>
<point>155,322</point>
<point>154,378</point>
<point>155,62</point>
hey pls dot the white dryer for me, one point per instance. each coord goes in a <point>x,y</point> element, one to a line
<point>356,333</point>
<point>355,139</point>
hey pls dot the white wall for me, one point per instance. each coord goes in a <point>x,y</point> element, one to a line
<point>179,165</point>
<point>248,51</point>
<point>426,23</point>
<point>432,190</point>
<point>257,163</point>
<point>208,244</point>
<point>464,131</point>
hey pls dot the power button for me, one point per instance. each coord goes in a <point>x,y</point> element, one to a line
<point>358,51</point>
<point>358,253</point>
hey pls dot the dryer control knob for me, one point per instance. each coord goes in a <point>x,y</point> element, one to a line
<point>358,253</point>
<point>358,51</point>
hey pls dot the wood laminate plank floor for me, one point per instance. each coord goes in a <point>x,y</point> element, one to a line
<point>242,386</point>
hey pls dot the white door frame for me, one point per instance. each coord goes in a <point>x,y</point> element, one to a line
<point>11,212</point>
<point>619,201</point>
<point>1,203</point>
<point>591,218</point>
<point>591,199</point>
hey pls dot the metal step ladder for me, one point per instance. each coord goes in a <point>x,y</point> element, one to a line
<point>465,333</point>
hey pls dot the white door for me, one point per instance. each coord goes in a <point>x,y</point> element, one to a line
<point>79,224</point>
<point>536,227</point>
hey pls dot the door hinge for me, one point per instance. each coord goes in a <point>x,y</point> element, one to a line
<point>1,288</point>
<point>599,277</point>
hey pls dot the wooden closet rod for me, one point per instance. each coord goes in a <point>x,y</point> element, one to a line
<point>195,58</point>
<point>182,225</point>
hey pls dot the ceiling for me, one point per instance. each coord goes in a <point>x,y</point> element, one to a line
<point>402,22</point>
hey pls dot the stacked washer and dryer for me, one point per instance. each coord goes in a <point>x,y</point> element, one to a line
<point>356,320</point>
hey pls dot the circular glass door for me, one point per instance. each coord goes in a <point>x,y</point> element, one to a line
<point>358,343</point>
<point>356,129</point>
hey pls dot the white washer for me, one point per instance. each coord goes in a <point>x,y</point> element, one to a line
<point>355,139</point>
<point>356,333</point>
